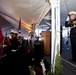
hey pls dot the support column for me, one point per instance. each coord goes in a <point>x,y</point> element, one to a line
<point>55,14</point>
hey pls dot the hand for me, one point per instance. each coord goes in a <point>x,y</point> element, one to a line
<point>74,22</point>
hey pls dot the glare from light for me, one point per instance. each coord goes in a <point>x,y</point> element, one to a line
<point>40,39</point>
<point>38,31</point>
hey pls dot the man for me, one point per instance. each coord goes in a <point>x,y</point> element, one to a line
<point>71,22</point>
<point>14,40</point>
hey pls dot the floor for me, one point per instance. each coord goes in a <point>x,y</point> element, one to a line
<point>69,66</point>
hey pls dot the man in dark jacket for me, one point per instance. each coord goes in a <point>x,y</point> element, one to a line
<point>14,40</point>
<point>71,22</point>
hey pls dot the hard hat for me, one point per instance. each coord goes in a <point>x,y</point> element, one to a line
<point>72,12</point>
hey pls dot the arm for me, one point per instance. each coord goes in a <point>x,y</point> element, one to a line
<point>68,22</point>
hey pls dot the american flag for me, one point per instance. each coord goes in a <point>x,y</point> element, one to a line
<point>19,28</point>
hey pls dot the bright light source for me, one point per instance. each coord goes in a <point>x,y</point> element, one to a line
<point>38,31</point>
<point>25,38</point>
<point>40,39</point>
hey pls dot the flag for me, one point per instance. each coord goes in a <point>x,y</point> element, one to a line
<point>39,70</point>
<point>1,44</point>
<point>1,37</point>
<point>19,28</point>
<point>6,33</point>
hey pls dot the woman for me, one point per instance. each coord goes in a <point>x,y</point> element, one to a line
<point>71,22</point>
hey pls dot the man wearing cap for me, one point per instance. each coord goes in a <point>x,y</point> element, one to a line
<point>14,41</point>
<point>71,22</point>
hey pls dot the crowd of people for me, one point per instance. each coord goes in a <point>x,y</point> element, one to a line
<point>18,54</point>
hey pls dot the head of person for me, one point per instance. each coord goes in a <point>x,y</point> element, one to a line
<point>13,34</point>
<point>19,36</point>
<point>72,15</point>
<point>37,38</point>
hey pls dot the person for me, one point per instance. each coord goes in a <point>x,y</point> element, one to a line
<point>71,22</point>
<point>38,54</point>
<point>14,41</point>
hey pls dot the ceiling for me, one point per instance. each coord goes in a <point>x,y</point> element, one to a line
<point>45,24</point>
<point>30,12</point>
